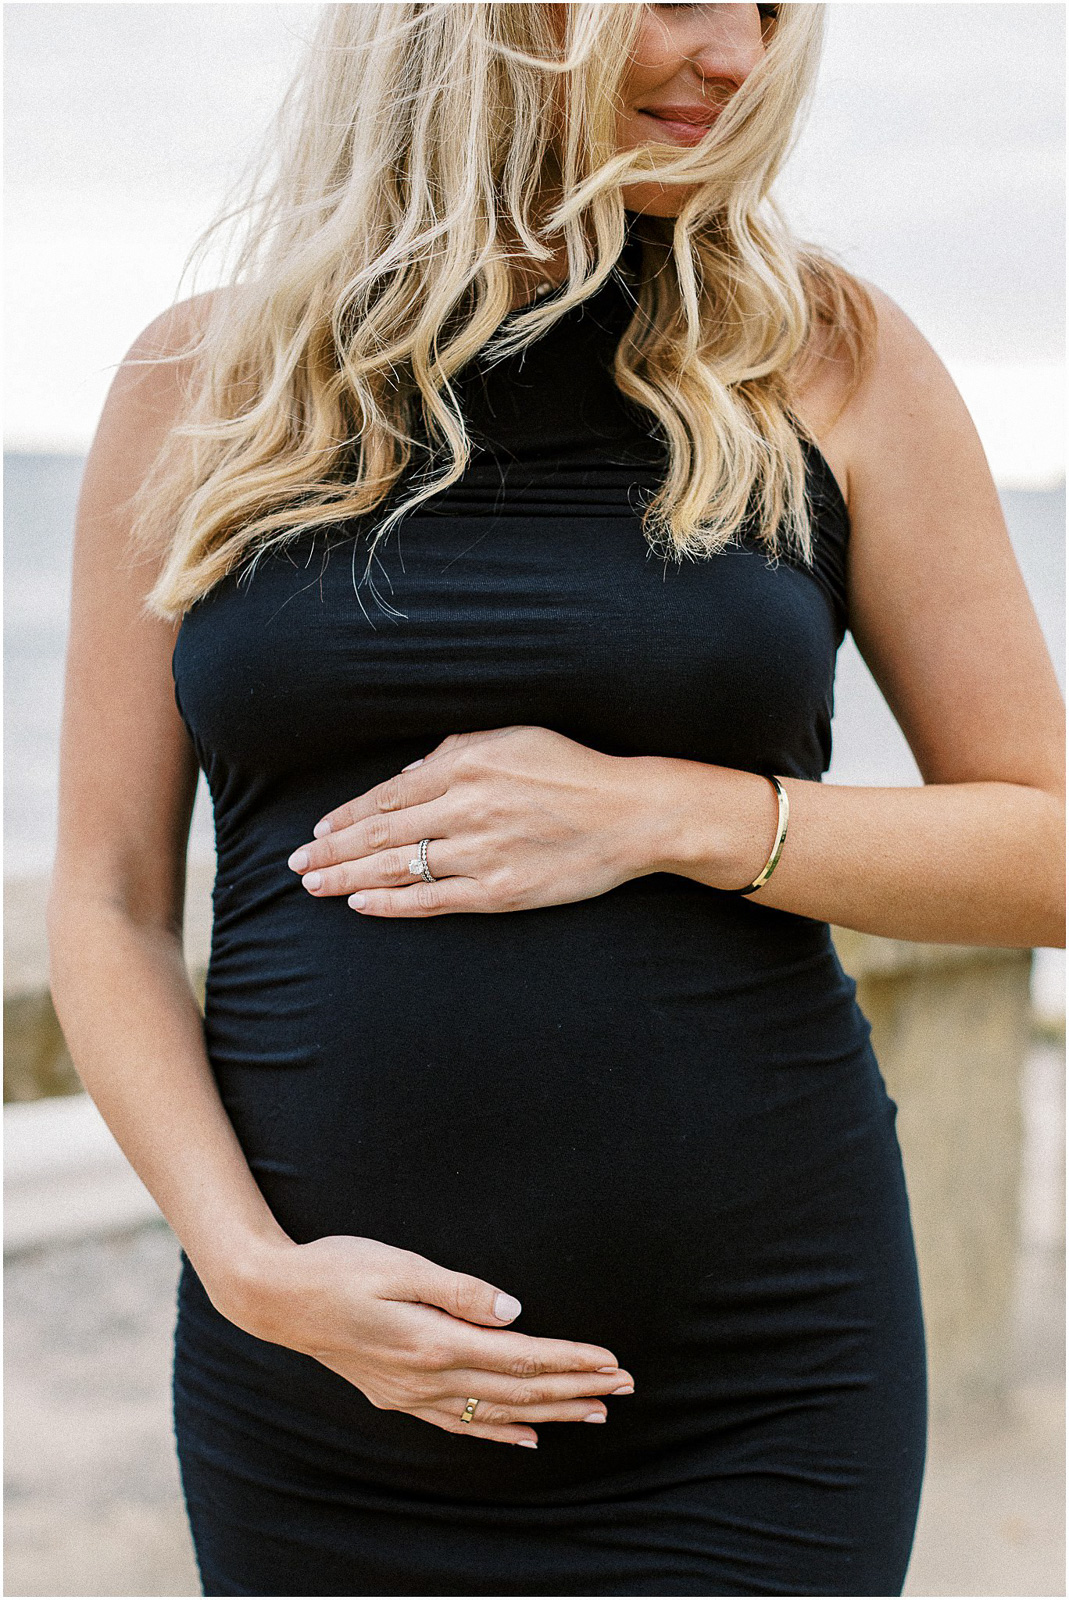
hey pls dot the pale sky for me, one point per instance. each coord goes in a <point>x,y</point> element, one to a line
<point>932,164</point>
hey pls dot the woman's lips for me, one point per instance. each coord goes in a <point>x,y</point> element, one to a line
<point>683,132</point>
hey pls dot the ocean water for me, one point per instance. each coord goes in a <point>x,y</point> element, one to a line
<point>40,494</point>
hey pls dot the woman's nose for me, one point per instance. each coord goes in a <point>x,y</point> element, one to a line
<point>730,46</point>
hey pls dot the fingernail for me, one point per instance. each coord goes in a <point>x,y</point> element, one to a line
<point>506,1306</point>
<point>606,1369</point>
<point>321,828</point>
<point>528,1444</point>
<point>312,880</point>
<point>357,900</point>
<point>412,764</point>
<point>595,1416</point>
<point>626,1388</point>
<point>298,860</point>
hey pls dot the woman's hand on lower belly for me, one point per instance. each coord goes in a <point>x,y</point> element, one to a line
<point>515,817</point>
<point>416,1337</point>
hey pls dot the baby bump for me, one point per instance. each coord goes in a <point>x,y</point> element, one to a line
<point>539,1097</point>
<point>666,1143</point>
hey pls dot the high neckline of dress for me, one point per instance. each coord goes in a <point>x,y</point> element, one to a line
<point>628,264</point>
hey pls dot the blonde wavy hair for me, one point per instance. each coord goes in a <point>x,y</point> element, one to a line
<point>421,150</point>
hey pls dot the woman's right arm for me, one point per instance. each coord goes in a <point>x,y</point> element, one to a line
<point>127,780</point>
<point>410,1334</point>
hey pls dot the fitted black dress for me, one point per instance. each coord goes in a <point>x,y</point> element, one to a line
<point>654,1115</point>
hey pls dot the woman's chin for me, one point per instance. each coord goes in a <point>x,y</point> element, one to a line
<point>654,200</point>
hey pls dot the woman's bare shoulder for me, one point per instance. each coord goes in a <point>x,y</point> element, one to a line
<point>154,368</point>
<point>905,394</point>
<point>145,399</point>
<point>179,325</point>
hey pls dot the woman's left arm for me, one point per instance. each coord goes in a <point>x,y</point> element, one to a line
<point>941,615</point>
<point>523,817</point>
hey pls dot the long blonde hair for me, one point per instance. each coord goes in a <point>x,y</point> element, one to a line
<point>408,165</point>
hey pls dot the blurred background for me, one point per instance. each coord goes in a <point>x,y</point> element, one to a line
<point>933,165</point>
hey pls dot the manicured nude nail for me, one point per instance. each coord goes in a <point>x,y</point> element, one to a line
<point>595,1416</point>
<point>506,1306</point>
<point>528,1444</point>
<point>412,764</point>
<point>606,1369</point>
<point>321,828</point>
<point>312,880</point>
<point>357,900</point>
<point>298,860</point>
<point>626,1388</point>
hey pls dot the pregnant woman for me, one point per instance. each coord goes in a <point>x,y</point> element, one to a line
<point>488,541</point>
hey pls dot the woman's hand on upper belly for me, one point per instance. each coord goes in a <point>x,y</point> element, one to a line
<point>417,1337</point>
<point>515,817</point>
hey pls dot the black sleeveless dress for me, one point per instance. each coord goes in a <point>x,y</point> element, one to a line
<point>655,1115</point>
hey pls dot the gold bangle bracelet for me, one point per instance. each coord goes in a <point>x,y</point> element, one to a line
<point>777,847</point>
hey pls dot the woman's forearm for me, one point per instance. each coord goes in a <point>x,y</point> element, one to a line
<point>135,1035</point>
<point>960,863</point>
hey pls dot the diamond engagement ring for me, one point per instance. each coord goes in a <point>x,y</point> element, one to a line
<point>418,865</point>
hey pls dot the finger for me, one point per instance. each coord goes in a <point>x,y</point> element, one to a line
<point>419,784</point>
<point>558,1389</point>
<point>382,830</point>
<point>501,1433</point>
<point>448,1301</point>
<point>388,869</point>
<point>519,1355</point>
<point>421,899</point>
<point>500,1399</point>
<point>497,1415</point>
<point>465,1314</point>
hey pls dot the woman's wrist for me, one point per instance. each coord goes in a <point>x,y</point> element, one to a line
<point>715,824</point>
<point>240,1268</point>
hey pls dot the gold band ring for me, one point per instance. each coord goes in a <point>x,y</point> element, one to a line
<point>469,1410</point>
